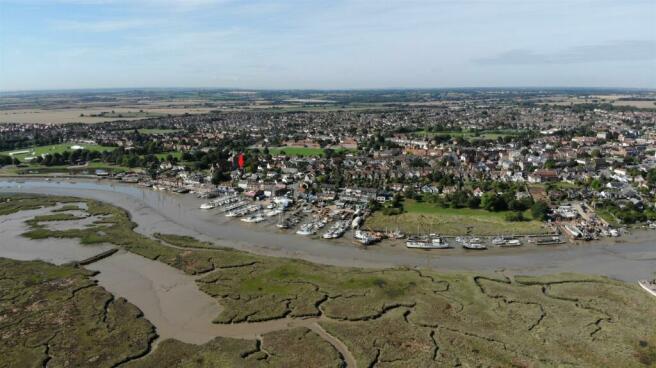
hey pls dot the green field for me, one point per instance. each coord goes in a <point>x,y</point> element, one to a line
<point>89,169</point>
<point>304,151</point>
<point>54,148</point>
<point>422,217</point>
<point>394,317</point>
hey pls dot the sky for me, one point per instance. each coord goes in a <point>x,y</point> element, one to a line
<point>332,44</point>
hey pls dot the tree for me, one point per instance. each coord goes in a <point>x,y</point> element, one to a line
<point>473,202</point>
<point>515,217</point>
<point>540,210</point>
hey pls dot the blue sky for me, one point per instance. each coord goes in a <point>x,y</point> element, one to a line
<point>326,44</point>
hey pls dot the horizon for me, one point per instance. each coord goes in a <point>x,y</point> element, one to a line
<point>344,45</point>
<point>467,88</point>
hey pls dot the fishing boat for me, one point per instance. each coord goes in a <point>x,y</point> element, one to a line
<point>649,286</point>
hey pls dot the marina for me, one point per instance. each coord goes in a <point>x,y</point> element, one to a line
<point>630,259</point>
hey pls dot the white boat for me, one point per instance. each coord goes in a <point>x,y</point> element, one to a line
<point>439,243</point>
<point>512,243</point>
<point>306,229</point>
<point>425,244</point>
<point>474,244</point>
<point>272,213</point>
<point>397,234</point>
<point>649,286</point>
<point>253,219</point>
<point>498,241</point>
<point>208,206</point>
<point>364,237</point>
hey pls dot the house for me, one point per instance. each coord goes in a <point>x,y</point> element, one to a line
<point>543,176</point>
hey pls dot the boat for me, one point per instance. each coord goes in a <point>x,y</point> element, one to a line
<point>498,241</point>
<point>649,286</point>
<point>253,219</point>
<point>397,234</point>
<point>435,243</point>
<point>208,206</point>
<point>272,213</point>
<point>306,229</point>
<point>364,237</point>
<point>574,231</point>
<point>474,244</point>
<point>553,240</point>
<point>512,243</point>
<point>337,230</point>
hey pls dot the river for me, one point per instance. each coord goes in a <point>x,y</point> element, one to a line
<point>628,258</point>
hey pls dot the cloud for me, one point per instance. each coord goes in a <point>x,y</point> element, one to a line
<point>627,50</point>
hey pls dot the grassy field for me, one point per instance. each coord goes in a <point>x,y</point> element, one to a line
<point>52,149</point>
<point>422,217</point>
<point>89,169</point>
<point>304,151</point>
<point>386,317</point>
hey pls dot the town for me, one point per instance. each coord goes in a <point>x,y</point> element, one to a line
<point>486,168</point>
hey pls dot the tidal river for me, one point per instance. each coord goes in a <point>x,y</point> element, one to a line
<point>628,258</point>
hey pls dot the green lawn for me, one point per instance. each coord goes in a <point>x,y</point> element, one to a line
<point>422,217</point>
<point>304,151</point>
<point>52,149</point>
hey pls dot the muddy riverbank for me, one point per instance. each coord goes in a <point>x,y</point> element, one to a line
<point>630,258</point>
<point>168,298</point>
